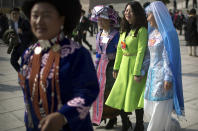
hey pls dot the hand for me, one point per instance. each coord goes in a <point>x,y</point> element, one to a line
<point>52,122</point>
<point>167,85</point>
<point>19,31</point>
<point>138,78</point>
<point>84,32</point>
<point>115,73</point>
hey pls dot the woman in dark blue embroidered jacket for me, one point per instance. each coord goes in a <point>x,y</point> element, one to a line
<point>57,75</point>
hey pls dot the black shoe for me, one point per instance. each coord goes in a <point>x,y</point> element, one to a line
<point>94,124</point>
<point>125,127</point>
<point>126,123</point>
<point>139,126</point>
<point>111,123</point>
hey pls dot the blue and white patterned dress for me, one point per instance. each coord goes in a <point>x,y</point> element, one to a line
<point>159,70</point>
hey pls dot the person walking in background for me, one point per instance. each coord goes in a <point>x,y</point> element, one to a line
<point>82,29</point>
<point>128,89</point>
<point>180,21</point>
<point>187,1</point>
<point>186,15</point>
<point>175,4</point>
<point>24,36</point>
<point>175,18</point>
<point>57,75</point>
<point>95,28</point>
<point>91,23</point>
<point>171,14</point>
<point>194,3</point>
<point>191,32</point>
<point>3,24</point>
<point>164,82</point>
<point>106,43</point>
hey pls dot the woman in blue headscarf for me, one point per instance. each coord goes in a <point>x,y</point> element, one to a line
<point>163,92</point>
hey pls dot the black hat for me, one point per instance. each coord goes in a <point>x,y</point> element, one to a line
<point>15,9</point>
<point>64,7</point>
<point>60,5</point>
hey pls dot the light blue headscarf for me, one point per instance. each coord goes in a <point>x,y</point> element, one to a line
<point>171,42</point>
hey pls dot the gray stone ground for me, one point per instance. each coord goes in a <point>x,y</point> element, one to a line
<point>12,105</point>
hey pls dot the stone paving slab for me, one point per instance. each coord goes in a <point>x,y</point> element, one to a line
<point>9,121</point>
<point>12,104</point>
<point>22,128</point>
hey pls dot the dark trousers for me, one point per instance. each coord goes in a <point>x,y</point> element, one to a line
<point>95,28</point>
<point>187,3</point>
<point>175,4</point>
<point>91,29</point>
<point>194,3</point>
<point>81,38</point>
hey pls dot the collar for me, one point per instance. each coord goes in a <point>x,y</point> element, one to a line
<point>46,44</point>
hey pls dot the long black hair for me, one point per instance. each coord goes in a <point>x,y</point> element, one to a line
<point>71,9</point>
<point>140,18</point>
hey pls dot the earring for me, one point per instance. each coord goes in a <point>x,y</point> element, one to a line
<point>62,27</point>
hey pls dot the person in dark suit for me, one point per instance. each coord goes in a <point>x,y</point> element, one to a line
<point>24,34</point>
<point>191,33</point>
<point>187,4</point>
<point>82,29</point>
<point>91,23</point>
<point>3,24</point>
<point>175,4</point>
<point>194,3</point>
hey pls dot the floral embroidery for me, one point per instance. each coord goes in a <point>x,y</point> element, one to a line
<point>45,44</point>
<point>69,49</point>
<point>51,73</point>
<point>29,51</point>
<point>154,38</point>
<point>25,70</point>
<point>43,63</point>
<point>123,45</point>
<point>76,102</point>
<point>65,51</point>
<point>152,42</point>
<point>44,59</point>
<point>79,102</point>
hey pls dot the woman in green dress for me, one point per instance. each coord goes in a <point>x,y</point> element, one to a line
<point>127,92</point>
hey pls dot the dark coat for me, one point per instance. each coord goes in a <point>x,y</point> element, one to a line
<point>179,21</point>
<point>191,34</point>
<point>80,31</point>
<point>77,78</point>
<point>83,25</point>
<point>3,24</point>
<point>26,36</point>
<point>19,43</point>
